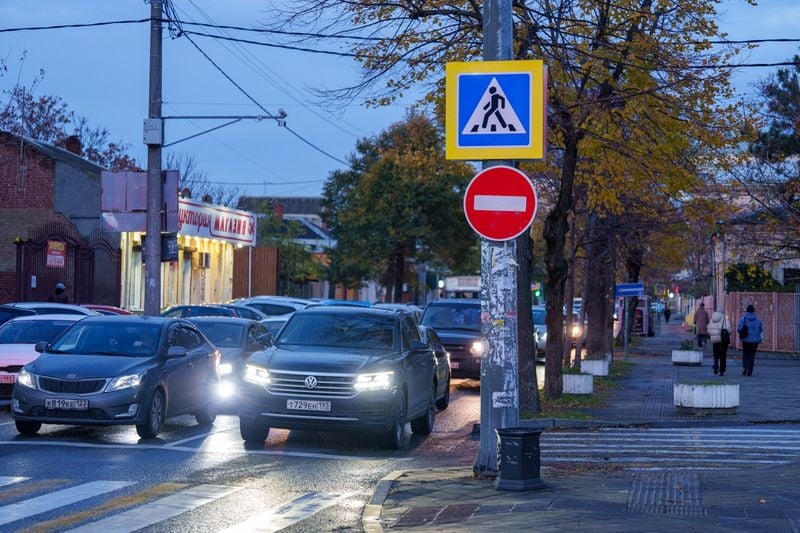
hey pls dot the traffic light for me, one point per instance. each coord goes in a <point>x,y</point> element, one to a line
<point>536,288</point>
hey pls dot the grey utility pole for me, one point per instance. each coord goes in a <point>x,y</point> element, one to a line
<point>499,365</point>
<point>154,138</point>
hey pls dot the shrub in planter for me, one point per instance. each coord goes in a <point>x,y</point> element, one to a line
<point>687,354</point>
<point>711,397</point>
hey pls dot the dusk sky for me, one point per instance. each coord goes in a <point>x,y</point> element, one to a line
<point>102,74</point>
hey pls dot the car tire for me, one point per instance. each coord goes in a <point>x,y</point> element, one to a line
<point>155,416</point>
<point>252,432</point>
<point>207,415</point>
<point>25,427</point>
<point>423,425</point>
<point>444,401</point>
<point>394,438</point>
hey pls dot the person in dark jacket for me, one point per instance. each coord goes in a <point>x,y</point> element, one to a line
<point>59,295</point>
<point>667,314</point>
<point>751,332</point>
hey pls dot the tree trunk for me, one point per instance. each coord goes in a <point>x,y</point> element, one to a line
<point>569,297</point>
<point>633,265</point>
<point>555,232</point>
<point>528,387</point>
<point>399,275</point>
<point>597,263</point>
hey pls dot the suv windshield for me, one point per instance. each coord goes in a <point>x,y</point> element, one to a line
<point>339,330</point>
<point>222,335</point>
<point>539,316</point>
<point>453,316</point>
<point>135,340</point>
<point>32,331</point>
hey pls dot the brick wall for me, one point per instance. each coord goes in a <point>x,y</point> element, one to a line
<point>27,181</point>
<point>8,287</point>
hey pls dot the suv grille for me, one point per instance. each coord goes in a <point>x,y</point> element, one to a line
<point>457,348</point>
<point>294,383</point>
<point>91,414</point>
<point>5,390</point>
<point>85,386</point>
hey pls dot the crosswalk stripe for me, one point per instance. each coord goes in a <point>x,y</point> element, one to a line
<point>10,480</point>
<point>160,510</point>
<point>667,447</point>
<point>54,500</point>
<point>697,430</point>
<point>287,514</point>
<point>557,459</point>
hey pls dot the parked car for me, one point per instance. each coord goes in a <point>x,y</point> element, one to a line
<point>242,311</point>
<point>188,311</point>
<point>8,312</point>
<point>119,371</point>
<point>18,337</point>
<point>342,368</point>
<point>50,308</point>
<point>457,322</point>
<point>413,309</point>
<point>274,305</point>
<point>108,310</point>
<point>235,338</point>
<point>540,328</point>
<point>346,303</point>
<point>442,367</point>
<point>275,324</point>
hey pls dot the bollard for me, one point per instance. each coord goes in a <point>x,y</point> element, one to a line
<point>518,460</point>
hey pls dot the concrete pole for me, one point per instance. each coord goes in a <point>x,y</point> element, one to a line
<point>499,364</point>
<point>152,251</point>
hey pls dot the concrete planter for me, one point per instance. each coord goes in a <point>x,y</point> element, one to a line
<point>687,357</point>
<point>706,399</point>
<point>596,367</point>
<point>578,383</point>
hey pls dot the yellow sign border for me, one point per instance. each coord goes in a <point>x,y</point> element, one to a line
<point>538,126</point>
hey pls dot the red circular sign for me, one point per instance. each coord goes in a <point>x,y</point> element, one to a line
<point>500,203</point>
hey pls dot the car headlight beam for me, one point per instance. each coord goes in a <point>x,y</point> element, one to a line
<point>478,348</point>
<point>225,369</point>
<point>576,331</point>
<point>125,382</point>
<point>256,375</point>
<point>373,381</point>
<point>26,379</point>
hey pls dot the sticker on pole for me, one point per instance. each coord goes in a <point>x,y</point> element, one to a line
<point>496,110</point>
<point>500,203</point>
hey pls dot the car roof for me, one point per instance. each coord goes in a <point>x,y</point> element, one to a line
<point>299,301</point>
<point>348,309</point>
<point>222,319</point>
<point>33,305</point>
<point>133,319</point>
<point>448,301</point>
<point>73,318</point>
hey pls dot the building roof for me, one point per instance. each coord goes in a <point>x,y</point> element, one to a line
<point>763,216</point>
<point>61,155</point>
<point>292,205</point>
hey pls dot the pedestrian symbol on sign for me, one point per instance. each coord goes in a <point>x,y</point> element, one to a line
<point>493,113</point>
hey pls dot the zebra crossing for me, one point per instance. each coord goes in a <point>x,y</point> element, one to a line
<point>85,507</point>
<point>708,448</point>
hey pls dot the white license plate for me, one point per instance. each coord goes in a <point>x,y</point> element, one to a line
<point>454,364</point>
<point>308,405</point>
<point>8,378</point>
<point>72,405</point>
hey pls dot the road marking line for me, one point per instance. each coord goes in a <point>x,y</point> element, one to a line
<point>111,505</point>
<point>288,514</point>
<point>649,445</point>
<point>10,480</point>
<point>611,451</point>
<point>686,430</point>
<point>665,439</point>
<point>54,500</point>
<point>161,509</point>
<point>204,435</point>
<point>662,460</point>
<point>20,491</point>
<point>485,202</point>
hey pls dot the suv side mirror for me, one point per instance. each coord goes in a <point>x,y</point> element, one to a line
<point>175,352</point>
<point>41,346</point>
<point>266,339</point>
<point>418,346</point>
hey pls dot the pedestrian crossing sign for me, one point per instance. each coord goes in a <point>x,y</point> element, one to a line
<point>496,110</point>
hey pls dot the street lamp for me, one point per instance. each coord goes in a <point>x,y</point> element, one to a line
<point>671,295</point>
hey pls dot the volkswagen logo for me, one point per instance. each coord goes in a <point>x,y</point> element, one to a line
<point>311,382</point>
<point>72,376</point>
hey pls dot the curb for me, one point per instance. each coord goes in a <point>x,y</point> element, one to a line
<point>556,423</point>
<point>371,515</point>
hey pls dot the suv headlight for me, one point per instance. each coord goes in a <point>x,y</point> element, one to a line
<point>26,378</point>
<point>478,348</point>
<point>125,382</point>
<point>373,381</point>
<point>576,331</point>
<point>225,369</point>
<point>256,375</point>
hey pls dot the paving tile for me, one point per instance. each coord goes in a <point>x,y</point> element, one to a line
<point>456,513</point>
<point>418,516</point>
<point>493,509</point>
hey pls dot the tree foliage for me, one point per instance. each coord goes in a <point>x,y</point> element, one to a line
<point>742,277</point>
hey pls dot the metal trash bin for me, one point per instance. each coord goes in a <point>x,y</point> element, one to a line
<point>518,461</point>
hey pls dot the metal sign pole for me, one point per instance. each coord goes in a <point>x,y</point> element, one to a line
<point>625,333</point>
<point>499,365</point>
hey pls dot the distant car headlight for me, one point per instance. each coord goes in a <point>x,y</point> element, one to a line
<point>225,369</point>
<point>257,375</point>
<point>125,382</point>
<point>26,378</point>
<point>478,348</point>
<point>543,336</point>
<point>576,331</point>
<point>373,381</point>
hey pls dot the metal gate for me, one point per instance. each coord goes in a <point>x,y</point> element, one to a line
<point>90,270</point>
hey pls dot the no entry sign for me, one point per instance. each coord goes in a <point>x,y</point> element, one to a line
<point>500,203</point>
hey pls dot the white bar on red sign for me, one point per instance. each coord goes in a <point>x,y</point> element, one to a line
<point>499,203</point>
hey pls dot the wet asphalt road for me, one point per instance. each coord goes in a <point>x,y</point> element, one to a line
<point>199,479</point>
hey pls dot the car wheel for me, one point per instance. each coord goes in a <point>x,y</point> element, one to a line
<point>424,424</point>
<point>25,427</point>
<point>394,438</point>
<point>444,401</point>
<point>155,416</point>
<point>207,415</point>
<point>253,433</point>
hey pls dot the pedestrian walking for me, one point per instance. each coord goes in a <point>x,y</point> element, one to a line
<point>59,295</point>
<point>667,314</point>
<point>751,332</point>
<point>701,320</point>
<point>719,331</point>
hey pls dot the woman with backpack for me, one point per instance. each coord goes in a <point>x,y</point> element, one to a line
<point>720,331</point>
<point>751,332</point>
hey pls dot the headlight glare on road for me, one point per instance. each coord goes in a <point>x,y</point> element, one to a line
<point>225,369</point>
<point>374,381</point>
<point>256,375</point>
<point>478,348</point>
<point>26,378</point>
<point>226,389</point>
<point>125,382</point>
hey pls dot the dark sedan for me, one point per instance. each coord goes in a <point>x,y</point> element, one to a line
<point>119,370</point>
<point>457,322</point>
<point>342,368</point>
<point>442,366</point>
<point>235,338</point>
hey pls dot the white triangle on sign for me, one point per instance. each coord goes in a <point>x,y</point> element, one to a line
<point>493,114</point>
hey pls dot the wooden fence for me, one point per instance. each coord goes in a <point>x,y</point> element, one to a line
<point>779,314</point>
<point>255,271</point>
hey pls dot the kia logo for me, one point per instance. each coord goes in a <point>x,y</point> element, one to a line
<point>311,382</point>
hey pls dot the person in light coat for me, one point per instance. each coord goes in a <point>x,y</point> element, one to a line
<point>718,323</point>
